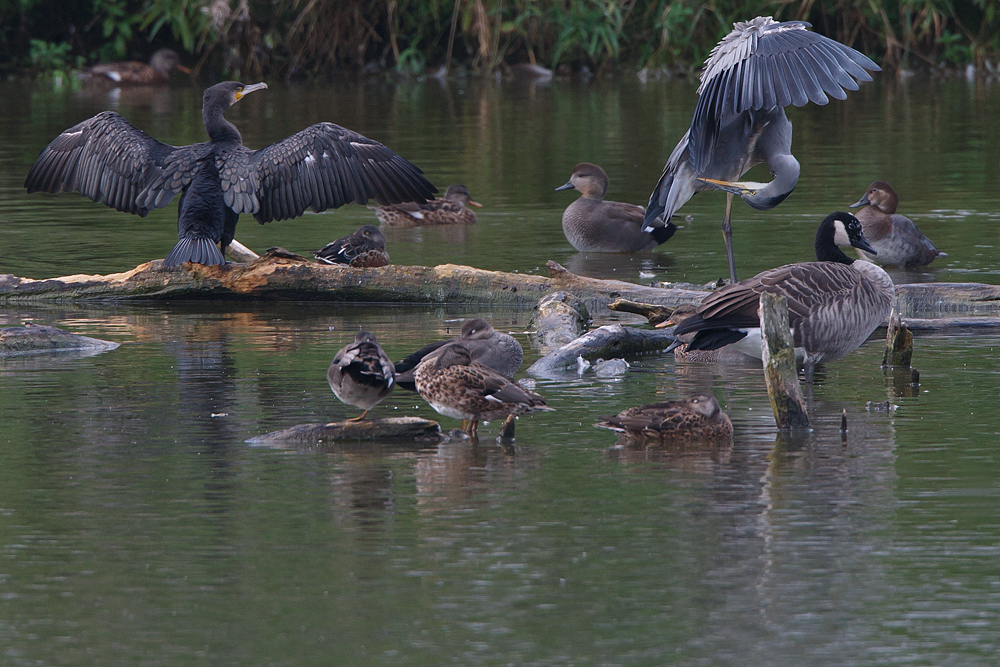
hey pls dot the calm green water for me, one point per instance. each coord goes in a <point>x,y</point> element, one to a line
<point>137,527</point>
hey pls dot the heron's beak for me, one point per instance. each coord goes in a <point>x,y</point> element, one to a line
<point>181,68</point>
<point>473,202</point>
<point>568,186</point>
<point>240,94</point>
<point>861,202</point>
<point>862,244</point>
<point>741,189</point>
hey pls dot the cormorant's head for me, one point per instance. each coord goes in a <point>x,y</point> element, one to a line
<point>228,93</point>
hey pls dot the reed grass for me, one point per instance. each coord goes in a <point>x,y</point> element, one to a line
<point>297,38</point>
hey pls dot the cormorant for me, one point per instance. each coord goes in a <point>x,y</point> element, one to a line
<point>324,166</point>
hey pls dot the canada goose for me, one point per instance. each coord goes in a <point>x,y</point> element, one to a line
<point>361,374</point>
<point>594,225</point>
<point>449,210</point>
<point>697,418</point>
<point>894,236</point>
<point>458,387</point>
<point>834,303</point>
<point>489,347</point>
<point>363,248</point>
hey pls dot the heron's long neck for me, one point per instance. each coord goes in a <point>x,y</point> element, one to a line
<point>218,128</point>
<point>786,174</point>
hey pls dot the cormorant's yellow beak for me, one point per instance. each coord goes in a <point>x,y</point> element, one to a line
<point>240,94</point>
<point>741,189</point>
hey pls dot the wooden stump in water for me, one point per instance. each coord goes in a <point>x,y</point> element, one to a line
<point>559,318</point>
<point>898,343</point>
<point>780,371</point>
<point>392,428</point>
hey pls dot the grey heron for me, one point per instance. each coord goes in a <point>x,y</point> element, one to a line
<point>757,70</point>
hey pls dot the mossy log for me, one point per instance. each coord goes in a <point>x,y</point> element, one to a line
<point>43,339</point>
<point>898,343</point>
<point>281,275</point>
<point>780,370</point>
<point>391,428</point>
<point>559,318</point>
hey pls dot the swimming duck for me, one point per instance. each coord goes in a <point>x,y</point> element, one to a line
<point>134,73</point>
<point>363,248</point>
<point>698,418</point>
<point>361,374</point>
<point>594,225</point>
<point>449,210</point>
<point>489,347</point>
<point>834,303</point>
<point>894,236</point>
<point>458,387</point>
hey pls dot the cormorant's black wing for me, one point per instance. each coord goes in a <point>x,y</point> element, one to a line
<point>111,161</point>
<point>323,166</point>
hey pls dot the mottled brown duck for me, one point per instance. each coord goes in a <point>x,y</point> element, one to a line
<point>324,166</point>
<point>458,387</point>
<point>489,347</point>
<point>363,248</point>
<point>724,355</point>
<point>698,418</point>
<point>834,303</point>
<point>896,239</point>
<point>361,373</point>
<point>134,73</point>
<point>452,209</point>
<point>592,224</point>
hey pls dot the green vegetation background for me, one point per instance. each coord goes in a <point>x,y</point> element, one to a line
<point>308,38</point>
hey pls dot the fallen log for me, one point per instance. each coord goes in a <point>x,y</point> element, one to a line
<point>280,275</point>
<point>391,428</point>
<point>608,342</point>
<point>37,339</point>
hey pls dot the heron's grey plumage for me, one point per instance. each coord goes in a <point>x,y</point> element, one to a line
<point>739,121</point>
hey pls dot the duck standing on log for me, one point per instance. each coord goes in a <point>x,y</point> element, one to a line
<point>894,236</point>
<point>324,166</point>
<point>364,248</point>
<point>361,374</point>
<point>834,303</point>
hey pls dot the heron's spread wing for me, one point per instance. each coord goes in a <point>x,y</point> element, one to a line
<point>323,166</point>
<point>111,161</point>
<point>764,64</point>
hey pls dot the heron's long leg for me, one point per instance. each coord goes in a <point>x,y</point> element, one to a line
<point>727,234</point>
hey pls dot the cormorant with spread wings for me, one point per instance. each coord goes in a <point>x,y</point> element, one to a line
<point>324,166</point>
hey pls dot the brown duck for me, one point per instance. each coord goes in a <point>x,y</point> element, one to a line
<point>594,225</point>
<point>449,210</point>
<point>489,347</point>
<point>134,73</point>
<point>363,248</point>
<point>458,387</point>
<point>698,418</point>
<point>894,236</point>
<point>361,374</point>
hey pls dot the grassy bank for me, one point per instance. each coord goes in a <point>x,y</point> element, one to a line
<point>307,38</point>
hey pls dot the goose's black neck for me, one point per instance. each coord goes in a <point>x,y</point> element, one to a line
<point>826,244</point>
